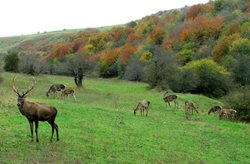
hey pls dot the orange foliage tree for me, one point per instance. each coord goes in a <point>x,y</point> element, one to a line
<point>202,28</point>
<point>127,51</point>
<point>194,11</point>
<point>222,47</point>
<point>157,35</point>
<point>108,58</point>
<point>61,49</point>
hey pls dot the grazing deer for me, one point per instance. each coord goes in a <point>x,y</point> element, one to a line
<point>55,88</point>
<point>189,107</point>
<point>214,109</point>
<point>228,114</point>
<point>142,105</point>
<point>168,98</point>
<point>69,91</point>
<point>36,112</point>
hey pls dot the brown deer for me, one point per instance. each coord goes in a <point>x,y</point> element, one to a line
<point>55,88</point>
<point>69,91</point>
<point>169,98</point>
<point>189,108</point>
<point>228,114</point>
<point>214,109</point>
<point>142,105</point>
<point>35,112</point>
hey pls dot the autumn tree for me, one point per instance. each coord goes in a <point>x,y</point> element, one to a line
<point>108,62</point>
<point>194,11</point>
<point>221,49</point>
<point>157,35</point>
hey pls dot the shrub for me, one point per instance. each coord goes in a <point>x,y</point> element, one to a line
<point>161,68</point>
<point>185,56</point>
<point>213,79</point>
<point>134,71</point>
<point>240,52</point>
<point>239,100</point>
<point>31,65</point>
<point>185,81</point>
<point>11,62</point>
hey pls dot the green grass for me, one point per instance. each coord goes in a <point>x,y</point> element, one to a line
<point>100,127</point>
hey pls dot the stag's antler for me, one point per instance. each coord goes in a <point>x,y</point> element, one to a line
<point>32,87</point>
<point>14,87</point>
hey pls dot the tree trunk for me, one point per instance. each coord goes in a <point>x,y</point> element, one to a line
<point>78,78</point>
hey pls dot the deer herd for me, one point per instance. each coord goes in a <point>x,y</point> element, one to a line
<point>35,112</point>
<point>189,108</point>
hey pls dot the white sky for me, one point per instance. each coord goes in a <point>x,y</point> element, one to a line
<point>19,17</point>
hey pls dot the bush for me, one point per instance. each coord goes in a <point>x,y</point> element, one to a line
<point>134,71</point>
<point>239,100</point>
<point>240,52</point>
<point>32,65</point>
<point>185,81</point>
<point>161,68</point>
<point>211,79</point>
<point>11,62</point>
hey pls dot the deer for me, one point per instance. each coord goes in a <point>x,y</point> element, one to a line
<point>55,88</point>
<point>227,113</point>
<point>35,112</point>
<point>142,105</point>
<point>214,109</point>
<point>169,98</point>
<point>69,91</point>
<point>189,107</point>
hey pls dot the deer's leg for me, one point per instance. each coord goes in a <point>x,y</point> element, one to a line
<point>186,113</point>
<point>36,129</point>
<point>169,104</point>
<point>57,133</point>
<point>74,96</point>
<point>51,122</point>
<point>147,112</point>
<point>196,110</point>
<point>31,130</point>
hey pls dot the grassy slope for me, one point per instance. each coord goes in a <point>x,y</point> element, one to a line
<point>6,43</point>
<point>93,130</point>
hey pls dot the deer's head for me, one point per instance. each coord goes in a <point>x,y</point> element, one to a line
<point>21,97</point>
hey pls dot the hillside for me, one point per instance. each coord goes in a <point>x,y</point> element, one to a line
<point>160,49</point>
<point>100,127</point>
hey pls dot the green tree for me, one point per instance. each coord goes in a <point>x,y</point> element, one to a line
<point>240,51</point>
<point>213,79</point>
<point>11,62</point>
<point>239,100</point>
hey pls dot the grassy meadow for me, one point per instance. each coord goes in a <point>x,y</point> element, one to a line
<point>99,127</point>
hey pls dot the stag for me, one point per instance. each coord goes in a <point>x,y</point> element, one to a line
<point>189,108</point>
<point>35,112</point>
<point>169,98</point>
<point>214,109</point>
<point>142,105</point>
<point>55,88</point>
<point>228,114</point>
<point>69,91</point>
